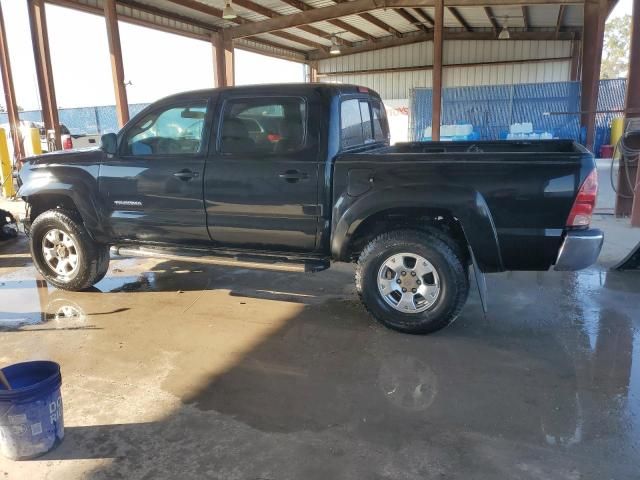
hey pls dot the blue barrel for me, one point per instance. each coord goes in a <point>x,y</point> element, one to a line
<point>31,421</point>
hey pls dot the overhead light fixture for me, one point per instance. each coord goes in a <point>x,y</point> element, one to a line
<point>335,46</point>
<point>504,33</point>
<point>228,13</point>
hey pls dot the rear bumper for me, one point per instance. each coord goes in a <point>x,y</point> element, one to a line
<point>579,250</point>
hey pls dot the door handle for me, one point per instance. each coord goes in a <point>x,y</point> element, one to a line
<point>186,174</point>
<point>292,176</point>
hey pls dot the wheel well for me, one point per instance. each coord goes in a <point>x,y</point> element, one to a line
<point>41,203</point>
<point>421,219</point>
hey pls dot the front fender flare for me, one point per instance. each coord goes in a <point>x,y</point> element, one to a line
<point>81,194</point>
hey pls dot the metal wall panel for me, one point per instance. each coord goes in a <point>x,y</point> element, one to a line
<point>398,84</point>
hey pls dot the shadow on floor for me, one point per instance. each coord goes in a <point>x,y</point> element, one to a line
<point>332,395</point>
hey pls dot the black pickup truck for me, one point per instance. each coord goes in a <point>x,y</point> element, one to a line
<point>293,177</point>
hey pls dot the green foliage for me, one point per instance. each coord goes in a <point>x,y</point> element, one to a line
<point>615,55</point>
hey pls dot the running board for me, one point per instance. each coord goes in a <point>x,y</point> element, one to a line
<point>227,259</point>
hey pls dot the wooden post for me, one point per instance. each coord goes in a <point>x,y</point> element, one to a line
<point>117,69</point>
<point>224,59</point>
<point>633,100</point>
<point>438,36</point>
<point>9,92</point>
<point>595,16</point>
<point>44,71</point>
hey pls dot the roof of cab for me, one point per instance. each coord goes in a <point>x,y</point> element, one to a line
<point>332,89</point>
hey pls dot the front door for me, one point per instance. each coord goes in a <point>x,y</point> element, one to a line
<point>261,185</point>
<point>153,186</point>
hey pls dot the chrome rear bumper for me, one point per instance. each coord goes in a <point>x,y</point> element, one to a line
<point>579,250</point>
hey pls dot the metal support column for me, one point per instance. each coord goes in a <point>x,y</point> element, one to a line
<point>595,16</point>
<point>117,68</point>
<point>576,46</point>
<point>224,59</point>
<point>9,92</point>
<point>44,71</point>
<point>313,72</point>
<point>633,102</point>
<point>438,36</point>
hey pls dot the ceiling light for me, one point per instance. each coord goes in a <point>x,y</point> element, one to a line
<point>504,34</point>
<point>228,13</point>
<point>335,47</point>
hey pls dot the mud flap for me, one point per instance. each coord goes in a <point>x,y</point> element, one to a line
<point>481,283</point>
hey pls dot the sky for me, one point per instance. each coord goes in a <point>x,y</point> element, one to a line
<point>156,63</point>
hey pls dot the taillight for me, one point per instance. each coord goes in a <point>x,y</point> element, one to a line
<point>67,143</point>
<point>582,210</point>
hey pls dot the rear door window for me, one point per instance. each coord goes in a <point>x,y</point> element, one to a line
<point>351,123</point>
<point>263,125</point>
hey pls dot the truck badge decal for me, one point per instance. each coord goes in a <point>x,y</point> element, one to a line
<point>127,203</point>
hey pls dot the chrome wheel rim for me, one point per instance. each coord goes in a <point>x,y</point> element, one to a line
<point>408,282</point>
<point>60,252</point>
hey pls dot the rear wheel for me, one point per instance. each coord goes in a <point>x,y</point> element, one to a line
<point>411,281</point>
<point>64,252</point>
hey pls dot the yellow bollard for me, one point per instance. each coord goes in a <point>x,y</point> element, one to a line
<point>617,129</point>
<point>36,145</point>
<point>6,176</point>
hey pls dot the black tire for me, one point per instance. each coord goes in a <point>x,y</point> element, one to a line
<point>450,267</point>
<point>103,262</point>
<point>93,258</point>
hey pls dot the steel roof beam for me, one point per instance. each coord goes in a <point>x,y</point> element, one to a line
<point>356,7</point>
<point>461,20</point>
<point>411,19</point>
<point>449,34</point>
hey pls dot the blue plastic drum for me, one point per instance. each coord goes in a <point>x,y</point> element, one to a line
<point>31,421</point>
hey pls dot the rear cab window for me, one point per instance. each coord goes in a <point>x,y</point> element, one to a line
<point>362,122</point>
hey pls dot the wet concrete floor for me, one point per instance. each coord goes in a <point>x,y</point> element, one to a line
<point>182,371</point>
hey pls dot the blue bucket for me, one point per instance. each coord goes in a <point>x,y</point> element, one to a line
<point>31,421</point>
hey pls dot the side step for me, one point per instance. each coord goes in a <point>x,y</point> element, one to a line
<point>257,260</point>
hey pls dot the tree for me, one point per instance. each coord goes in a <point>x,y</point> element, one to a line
<point>615,54</point>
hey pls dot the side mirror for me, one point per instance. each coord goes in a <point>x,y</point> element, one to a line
<point>109,143</point>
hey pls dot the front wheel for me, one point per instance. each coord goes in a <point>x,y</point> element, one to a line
<point>412,281</point>
<point>64,252</point>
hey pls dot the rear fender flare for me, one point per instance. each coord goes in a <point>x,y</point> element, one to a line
<point>467,206</point>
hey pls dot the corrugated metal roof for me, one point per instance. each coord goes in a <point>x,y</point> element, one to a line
<point>510,16</point>
<point>359,22</point>
<point>393,19</point>
<point>543,15</point>
<point>539,16</point>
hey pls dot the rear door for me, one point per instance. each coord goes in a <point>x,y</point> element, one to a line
<point>153,186</point>
<point>261,185</point>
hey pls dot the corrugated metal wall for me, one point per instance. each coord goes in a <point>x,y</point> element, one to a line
<point>398,84</point>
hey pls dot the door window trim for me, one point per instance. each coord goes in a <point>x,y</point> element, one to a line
<point>229,99</point>
<point>204,141</point>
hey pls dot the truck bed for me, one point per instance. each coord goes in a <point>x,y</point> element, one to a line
<point>528,188</point>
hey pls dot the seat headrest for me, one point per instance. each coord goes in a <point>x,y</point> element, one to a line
<point>234,128</point>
